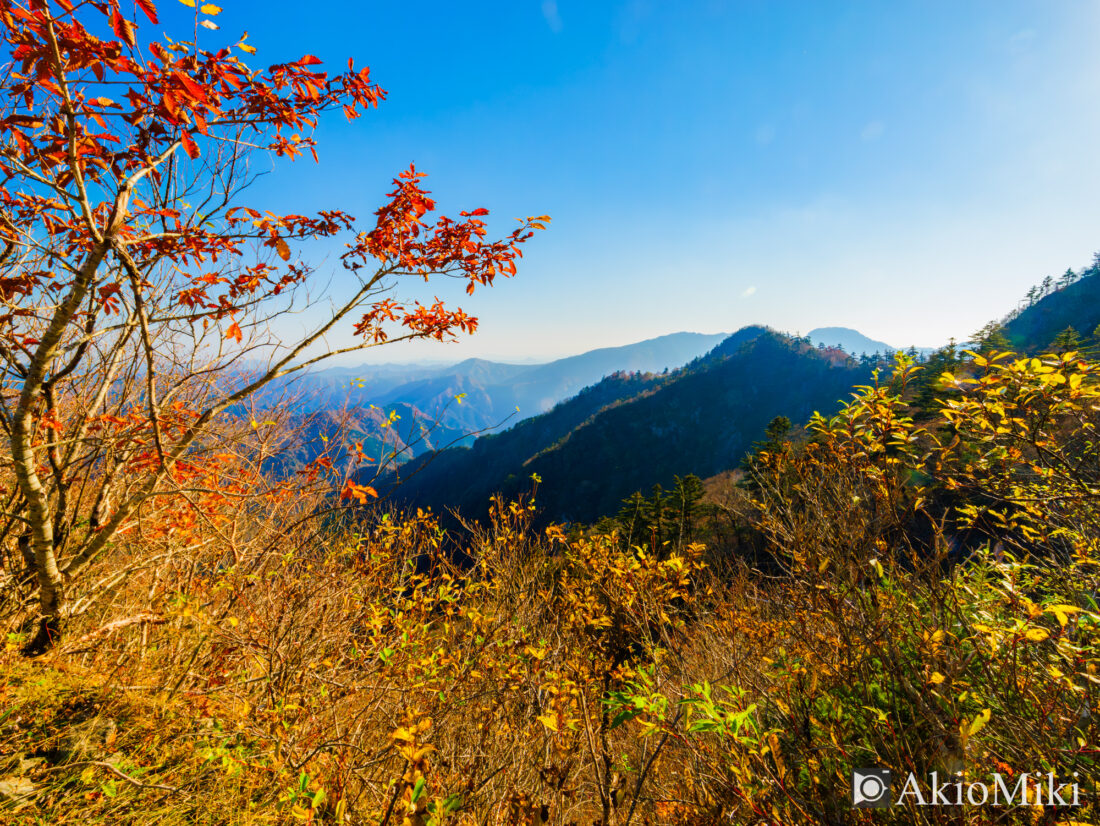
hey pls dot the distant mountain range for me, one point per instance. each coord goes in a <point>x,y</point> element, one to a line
<point>477,395</point>
<point>854,342</point>
<point>600,425</point>
<point>630,432</point>
<point>635,430</point>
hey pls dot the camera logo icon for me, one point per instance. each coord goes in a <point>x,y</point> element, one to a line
<point>871,788</point>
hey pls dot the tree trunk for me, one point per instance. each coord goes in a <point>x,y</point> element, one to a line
<point>51,587</point>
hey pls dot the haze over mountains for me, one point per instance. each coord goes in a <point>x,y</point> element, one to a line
<point>491,391</point>
<point>631,431</point>
<point>854,342</point>
<point>477,394</point>
<point>600,425</point>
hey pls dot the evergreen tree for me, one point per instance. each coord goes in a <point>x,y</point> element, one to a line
<point>926,382</point>
<point>659,515</point>
<point>687,499</point>
<point>777,431</point>
<point>1067,340</point>
<point>776,436</point>
<point>1092,349</point>
<point>991,338</point>
<point>633,520</point>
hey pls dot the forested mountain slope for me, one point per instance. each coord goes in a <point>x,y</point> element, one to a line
<point>1074,304</point>
<point>701,419</point>
<point>491,391</point>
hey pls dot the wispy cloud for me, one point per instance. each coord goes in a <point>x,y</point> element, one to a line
<point>553,17</point>
<point>748,291</point>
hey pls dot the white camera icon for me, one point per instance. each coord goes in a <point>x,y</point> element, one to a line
<point>871,788</point>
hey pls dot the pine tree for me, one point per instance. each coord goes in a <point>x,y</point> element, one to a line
<point>944,360</point>
<point>1068,340</point>
<point>991,338</point>
<point>633,521</point>
<point>687,499</point>
<point>659,515</point>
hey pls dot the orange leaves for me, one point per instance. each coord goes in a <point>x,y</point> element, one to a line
<point>123,28</point>
<point>403,241</point>
<point>361,493</point>
<point>109,296</point>
<point>149,9</point>
<point>435,322</point>
<point>234,332</point>
<point>189,145</point>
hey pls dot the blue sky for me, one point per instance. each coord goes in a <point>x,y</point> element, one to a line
<point>909,169</point>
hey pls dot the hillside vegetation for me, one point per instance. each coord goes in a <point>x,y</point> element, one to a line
<point>211,616</point>
<point>353,673</point>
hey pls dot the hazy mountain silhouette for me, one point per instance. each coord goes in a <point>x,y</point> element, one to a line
<point>631,432</point>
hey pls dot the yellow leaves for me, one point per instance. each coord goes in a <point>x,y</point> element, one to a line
<point>975,725</point>
<point>536,653</point>
<point>550,721</point>
<point>206,8</point>
<point>1062,612</point>
<point>411,733</point>
<point>936,678</point>
<point>1036,634</point>
<point>554,533</point>
<point>777,756</point>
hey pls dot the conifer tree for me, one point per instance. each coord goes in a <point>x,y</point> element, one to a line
<point>1067,340</point>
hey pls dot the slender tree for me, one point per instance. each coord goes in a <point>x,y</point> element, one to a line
<point>138,290</point>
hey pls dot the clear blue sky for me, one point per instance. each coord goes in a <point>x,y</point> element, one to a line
<point>905,168</point>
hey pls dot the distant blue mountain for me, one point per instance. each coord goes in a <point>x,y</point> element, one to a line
<point>854,342</point>
<point>491,391</point>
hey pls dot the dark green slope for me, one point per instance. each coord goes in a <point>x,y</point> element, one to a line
<point>702,423</point>
<point>592,452</point>
<point>1076,305</point>
<point>465,477</point>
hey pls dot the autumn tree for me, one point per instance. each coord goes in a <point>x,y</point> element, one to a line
<point>138,289</point>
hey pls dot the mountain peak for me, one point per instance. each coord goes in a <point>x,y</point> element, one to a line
<point>853,341</point>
